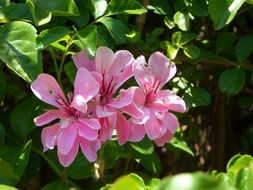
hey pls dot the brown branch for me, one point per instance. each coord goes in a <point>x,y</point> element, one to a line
<point>141,19</point>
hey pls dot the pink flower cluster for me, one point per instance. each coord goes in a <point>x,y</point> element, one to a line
<point>88,117</point>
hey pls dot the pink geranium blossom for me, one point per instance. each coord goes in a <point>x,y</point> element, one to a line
<point>111,70</point>
<point>75,127</point>
<point>157,122</point>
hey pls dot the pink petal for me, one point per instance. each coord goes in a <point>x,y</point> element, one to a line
<point>171,122</point>
<point>85,88</point>
<point>104,59</point>
<point>81,59</point>
<point>141,72</point>
<point>137,132</point>
<point>171,101</point>
<point>48,116</point>
<point>67,159</point>
<point>47,89</point>
<point>161,67</point>
<point>106,130</point>
<point>67,138</point>
<point>49,136</point>
<point>92,123</point>
<point>86,132</point>
<point>90,148</point>
<point>123,129</point>
<point>125,98</point>
<point>104,111</point>
<point>153,127</point>
<point>163,139</point>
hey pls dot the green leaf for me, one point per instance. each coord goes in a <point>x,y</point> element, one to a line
<point>151,163</point>
<point>125,7</point>
<point>224,41</point>
<point>169,22</point>
<point>238,162</point>
<point>223,12</point>
<point>21,12</point>
<point>81,168</point>
<point>97,7</point>
<point>3,83</point>
<point>196,96</point>
<point>160,7</point>
<point>58,7</point>
<point>225,179</point>
<point>2,135</point>
<point>178,142</point>
<point>116,28</point>
<point>194,181</point>
<point>39,15</point>
<point>7,170</point>
<point>4,2</point>
<point>144,147</point>
<point>181,38</point>
<point>6,187</point>
<point>57,185</point>
<point>87,39</point>
<point>244,47</point>
<point>154,183</point>
<point>198,7</point>
<point>48,36</point>
<point>170,49</point>
<point>191,51</point>
<point>18,42</point>
<point>70,70</point>
<point>131,180</point>
<point>21,118</point>
<point>250,1</point>
<point>182,20</point>
<point>244,179</point>
<point>21,159</point>
<point>232,81</point>
<point>84,12</point>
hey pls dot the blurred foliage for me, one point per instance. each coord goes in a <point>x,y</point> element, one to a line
<point>211,42</point>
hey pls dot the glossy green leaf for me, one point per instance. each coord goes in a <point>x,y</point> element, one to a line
<point>191,51</point>
<point>18,42</point>
<point>154,183</point>
<point>21,118</point>
<point>2,135</point>
<point>195,181</point>
<point>169,22</point>
<point>224,41</point>
<point>178,142</point>
<point>182,38</point>
<point>244,47</point>
<point>6,187</point>
<point>84,14</point>
<point>115,27</point>
<point>225,179</point>
<point>145,146</point>
<point>151,163</point>
<point>21,159</point>
<point>39,15</point>
<point>171,50</point>
<point>70,70</point>
<point>48,36</point>
<point>160,7</point>
<point>57,185</point>
<point>250,1</point>
<point>87,39</point>
<point>3,82</point>
<point>58,7</point>
<point>125,7</point>
<point>81,168</point>
<point>196,96</point>
<point>21,12</point>
<point>198,7</point>
<point>232,81</point>
<point>182,20</point>
<point>7,170</point>
<point>97,7</point>
<point>223,12</point>
<point>244,179</point>
<point>239,162</point>
<point>131,180</point>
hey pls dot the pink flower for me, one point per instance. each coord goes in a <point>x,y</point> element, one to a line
<point>111,70</point>
<point>157,123</point>
<point>75,127</point>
